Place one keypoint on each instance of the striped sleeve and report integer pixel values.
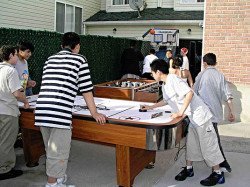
(84, 79)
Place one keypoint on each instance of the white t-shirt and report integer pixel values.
(185, 64)
(146, 63)
(174, 93)
(9, 83)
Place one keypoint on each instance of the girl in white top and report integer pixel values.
(177, 69)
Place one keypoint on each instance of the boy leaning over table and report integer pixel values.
(202, 143)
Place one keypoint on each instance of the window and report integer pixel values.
(191, 1)
(120, 2)
(68, 18)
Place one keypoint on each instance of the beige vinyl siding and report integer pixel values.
(39, 14)
(182, 7)
(27, 14)
(167, 3)
(103, 4)
(160, 3)
(107, 5)
(138, 31)
(90, 7)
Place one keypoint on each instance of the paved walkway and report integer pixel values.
(92, 165)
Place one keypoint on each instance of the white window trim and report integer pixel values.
(194, 3)
(123, 5)
(66, 3)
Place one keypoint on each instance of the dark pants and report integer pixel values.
(218, 136)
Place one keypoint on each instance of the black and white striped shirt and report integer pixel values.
(63, 74)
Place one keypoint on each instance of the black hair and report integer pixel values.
(177, 62)
(24, 45)
(161, 65)
(5, 52)
(132, 43)
(169, 50)
(70, 39)
(152, 51)
(210, 59)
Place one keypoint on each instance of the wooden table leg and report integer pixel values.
(33, 146)
(130, 162)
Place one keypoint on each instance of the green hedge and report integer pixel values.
(103, 53)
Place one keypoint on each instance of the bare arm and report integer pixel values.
(187, 101)
(21, 97)
(89, 99)
(186, 74)
(190, 80)
(231, 115)
(159, 104)
(171, 63)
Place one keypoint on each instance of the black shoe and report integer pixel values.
(11, 174)
(18, 143)
(213, 179)
(184, 174)
(225, 166)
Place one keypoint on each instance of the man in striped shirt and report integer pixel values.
(63, 74)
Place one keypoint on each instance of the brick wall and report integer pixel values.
(227, 34)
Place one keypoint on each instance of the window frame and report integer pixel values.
(191, 3)
(123, 4)
(65, 5)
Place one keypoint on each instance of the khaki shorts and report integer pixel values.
(202, 144)
(57, 145)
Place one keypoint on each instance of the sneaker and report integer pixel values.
(58, 185)
(184, 174)
(62, 180)
(11, 174)
(214, 179)
(225, 166)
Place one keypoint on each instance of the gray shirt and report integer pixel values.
(22, 66)
(9, 83)
(212, 87)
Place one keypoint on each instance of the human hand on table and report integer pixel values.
(145, 107)
(176, 115)
(100, 118)
(26, 105)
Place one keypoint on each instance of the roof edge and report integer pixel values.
(144, 22)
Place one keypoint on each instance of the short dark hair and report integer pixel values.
(24, 45)
(161, 65)
(5, 52)
(210, 59)
(70, 39)
(152, 51)
(132, 43)
(169, 50)
(177, 62)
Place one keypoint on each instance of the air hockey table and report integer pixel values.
(135, 135)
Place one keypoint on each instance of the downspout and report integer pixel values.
(84, 28)
(203, 37)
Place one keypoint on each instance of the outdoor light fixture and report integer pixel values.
(189, 31)
(114, 30)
